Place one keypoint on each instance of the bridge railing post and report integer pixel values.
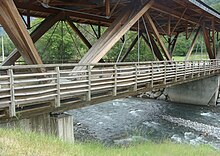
(175, 72)
(152, 74)
(115, 80)
(88, 97)
(57, 99)
(217, 64)
(192, 68)
(199, 62)
(185, 63)
(165, 72)
(136, 72)
(210, 66)
(12, 109)
(204, 68)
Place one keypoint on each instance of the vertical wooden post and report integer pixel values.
(165, 73)
(175, 72)
(192, 68)
(57, 99)
(136, 72)
(89, 83)
(184, 70)
(210, 67)
(204, 68)
(152, 75)
(12, 111)
(107, 8)
(199, 69)
(115, 80)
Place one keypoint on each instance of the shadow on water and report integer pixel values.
(129, 120)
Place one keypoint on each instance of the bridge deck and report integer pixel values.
(25, 91)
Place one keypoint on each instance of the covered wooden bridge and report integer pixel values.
(152, 18)
(34, 89)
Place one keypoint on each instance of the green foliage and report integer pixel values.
(210, 2)
(60, 44)
(216, 6)
(14, 142)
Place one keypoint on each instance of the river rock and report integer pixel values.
(176, 138)
(162, 97)
(189, 135)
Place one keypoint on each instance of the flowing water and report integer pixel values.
(129, 120)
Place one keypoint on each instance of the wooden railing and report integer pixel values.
(25, 89)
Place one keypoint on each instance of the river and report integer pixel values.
(129, 120)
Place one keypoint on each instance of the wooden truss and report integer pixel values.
(12, 23)
(119, 20)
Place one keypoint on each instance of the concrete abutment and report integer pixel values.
(60, 125)
(199, 92)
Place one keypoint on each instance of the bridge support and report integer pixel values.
(60, 125)
(199, 92)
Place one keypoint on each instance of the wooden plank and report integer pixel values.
(157, 35)
(192, 44)
(57, 99)
(115, 80)
(89, 94)
(35, 35)
(12, 111)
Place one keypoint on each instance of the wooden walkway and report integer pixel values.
(24, 91)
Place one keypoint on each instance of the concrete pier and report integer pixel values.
(60, 125)
(199, 92)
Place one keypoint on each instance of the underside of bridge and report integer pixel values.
(158, 22)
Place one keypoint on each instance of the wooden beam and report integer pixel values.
(155, 49)
(177, 23)
(169, 26)
(35, 35)
(113, 34)
(173, 13)
(206, 36)
(12, 23)
(107, 8)
(213, 38)
(174, 41)
(157, 35)
(77, 31)
(129, 49)
(193, 44)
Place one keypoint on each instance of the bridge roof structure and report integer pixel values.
(159, 17)
(99, 12)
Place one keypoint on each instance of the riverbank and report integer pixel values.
(14, 142)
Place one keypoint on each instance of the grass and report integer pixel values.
(192, 57)
(18, 143)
